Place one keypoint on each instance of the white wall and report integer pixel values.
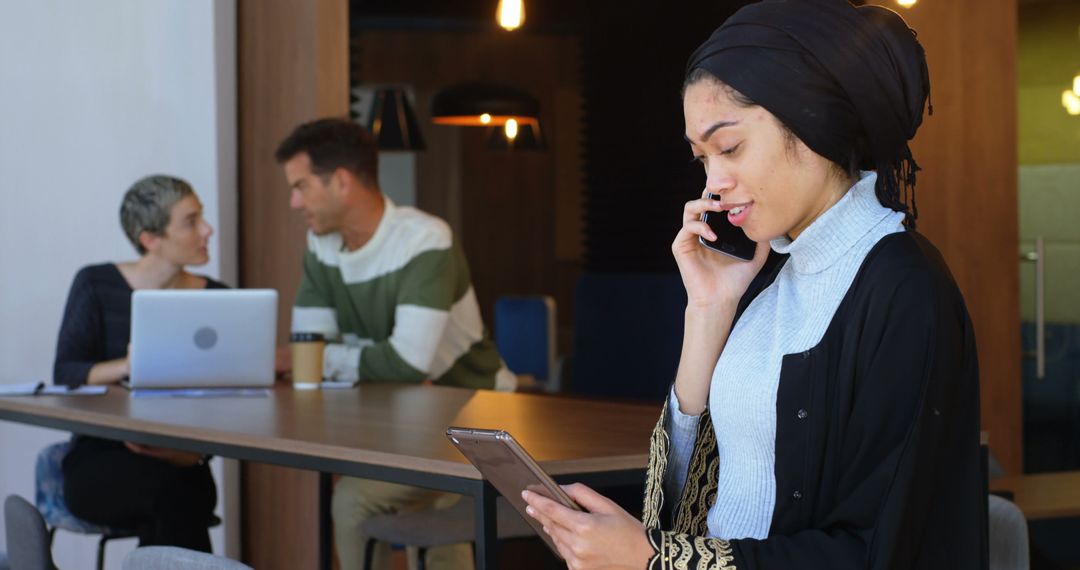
(397, 169)
(94, 95)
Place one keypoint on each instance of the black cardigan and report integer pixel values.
(877, 438)
(97, 322)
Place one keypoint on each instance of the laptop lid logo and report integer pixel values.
(205, 338)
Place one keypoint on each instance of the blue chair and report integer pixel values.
(627, 335)
(49, 496)
(525, 336)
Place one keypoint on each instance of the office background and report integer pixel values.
(95, 95)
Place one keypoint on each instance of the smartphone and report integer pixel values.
(510, 469)
(730, 239)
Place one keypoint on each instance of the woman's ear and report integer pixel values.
(149, 241)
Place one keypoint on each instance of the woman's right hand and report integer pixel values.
(110, 371)
(714, 284)
(712, 279)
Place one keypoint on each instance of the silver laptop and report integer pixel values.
(203, 338)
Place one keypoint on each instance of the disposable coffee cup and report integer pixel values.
(307, 359)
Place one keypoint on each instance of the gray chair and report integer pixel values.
(1008, 536)
(49, 496)
(439, 527)
(27, 538)
(173, 558)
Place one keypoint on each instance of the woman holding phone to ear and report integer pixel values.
(825, 412)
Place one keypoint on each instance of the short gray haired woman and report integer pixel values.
(148, 204)
(168, 496)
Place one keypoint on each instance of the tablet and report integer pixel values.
(504, 463)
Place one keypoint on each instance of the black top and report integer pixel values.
(97, 322)
(877, 434)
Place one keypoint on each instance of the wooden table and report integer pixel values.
(389, 432)
(1043, 495)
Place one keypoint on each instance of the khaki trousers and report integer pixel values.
(356, 500)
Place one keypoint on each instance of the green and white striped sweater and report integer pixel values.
(403, 302)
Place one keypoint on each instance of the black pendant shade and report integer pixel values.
(483, 104)
(393, 123)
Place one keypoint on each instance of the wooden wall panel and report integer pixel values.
(293, 66)
(968, 188)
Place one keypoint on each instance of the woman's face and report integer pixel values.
(187, 235)
(770, 183)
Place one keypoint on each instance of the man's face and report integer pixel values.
(317, 200)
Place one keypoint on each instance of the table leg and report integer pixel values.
(326, 523)
(487, 538)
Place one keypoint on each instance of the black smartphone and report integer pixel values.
(730, 239)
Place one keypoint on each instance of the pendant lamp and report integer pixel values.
(514, 136)
(393, 123)
(483, 105)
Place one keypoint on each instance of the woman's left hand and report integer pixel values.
(606, 536)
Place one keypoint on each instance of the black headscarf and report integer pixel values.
(850, 82)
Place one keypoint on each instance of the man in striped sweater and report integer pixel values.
(391, 286)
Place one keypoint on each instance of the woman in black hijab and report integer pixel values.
(825, 413)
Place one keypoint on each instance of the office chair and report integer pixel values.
(1009, 548)
(525, 337)
(28, 540)
(49, 496)
(627, 335)
(439, 527)
(174, 558)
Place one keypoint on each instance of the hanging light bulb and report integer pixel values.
(485, 118)
(511, 129)
(1076, 85)
(510, 14)
(1071, 102)
(906, 3)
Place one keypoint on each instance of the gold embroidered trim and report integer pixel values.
(659, 445)
(677, 551)
(685, 548)
(708, 492)
(699, 491)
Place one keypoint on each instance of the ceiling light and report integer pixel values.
(510, 14)
(1071, 102)
(528, 137)
(483, 104)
